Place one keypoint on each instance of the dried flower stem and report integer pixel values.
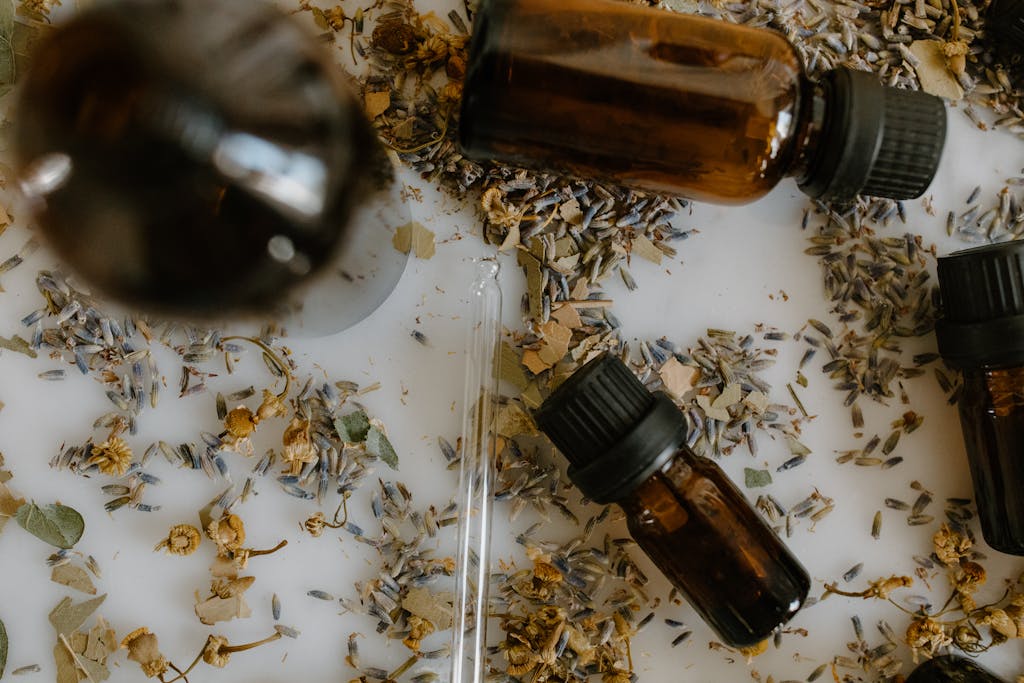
(273, 356)
(257, 553)
(227, 649)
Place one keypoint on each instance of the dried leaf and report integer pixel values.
(3, 648)
(102, 642)
(435, 608)
(67, 617)
(16, 343)
(678, 379)
(377, 444)
(570, 212)
(556, 342)
(216, 609)
(67, 672)
(644, 248)
(413, 236)
(376, 103)
(58, 525)
(509, 368)
(567, 315)
(933, 71)
(795, 447)
(73, 577)
(533, 362)
(352, 428)
(9, 504)
(756, 478)
(8, 69)
(513, 421)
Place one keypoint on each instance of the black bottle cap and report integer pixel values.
(613, 431)
(951, 669)
(875, 140)
(1004, 22)
(983, 306)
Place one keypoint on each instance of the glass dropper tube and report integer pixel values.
(476, 475)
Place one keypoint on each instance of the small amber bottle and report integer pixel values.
(982, 334)
(951, 669)
(687, 105)
(628, 446)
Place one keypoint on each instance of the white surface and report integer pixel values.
(725, 276)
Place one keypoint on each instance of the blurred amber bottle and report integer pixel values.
(982, 334)
(951, 669)
(628, 446)
(685, 105)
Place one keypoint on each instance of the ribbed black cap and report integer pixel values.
(875, 140)
(612, 430)
(951, 669)
(983, 305)
(592, 410)
(1004, 23)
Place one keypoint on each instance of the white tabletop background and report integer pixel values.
(729, 275)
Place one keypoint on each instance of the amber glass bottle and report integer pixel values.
(1004, 24)
(628, 446)
(982, 334)
(951, 669)
(193, 157)
(683, 104)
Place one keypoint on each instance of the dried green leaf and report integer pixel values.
(795, 447)
(352, 428)
(15, 343)
(377, 444)
(644, 248)
(756, 478)
(8, 69)
(510, 367)
(58, 525)
(3, 648)
(73, 576)
(66, 617)
(216, 609)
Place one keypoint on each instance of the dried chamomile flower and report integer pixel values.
(182, 539)
(1000, 622)
(419, 628)
(927, 635)
(228, 533)
(272, 406)
(212, 654)
(315, 524)
(113, 456)
(217, 651)
(883, 587)
(956, 55)
(298, 445)
(950, 545)
(143, 648)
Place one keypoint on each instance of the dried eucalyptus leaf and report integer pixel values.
(377, 444)
(66, 617)
(416, 238)
(434, 607)
(352, 428)
(756, 478)
(16, 343)
(3, 648)
(73, 577)
(795, 447)
(58, 525)
(9, 504)
(216, 609)
(67, 672)
(8, 69)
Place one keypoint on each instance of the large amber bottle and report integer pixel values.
(684, 104)
(628, 446)
(951, 669)
(982, 334)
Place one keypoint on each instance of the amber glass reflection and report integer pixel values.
(662, 101)
(706, 538)
(992, 418)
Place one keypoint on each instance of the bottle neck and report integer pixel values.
(810, 124)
